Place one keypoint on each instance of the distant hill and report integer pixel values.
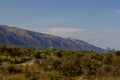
(30, 39)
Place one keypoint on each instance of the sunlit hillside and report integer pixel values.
(34, 64)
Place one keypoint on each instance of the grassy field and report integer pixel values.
(34, 64)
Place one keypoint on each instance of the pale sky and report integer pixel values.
(94, 21)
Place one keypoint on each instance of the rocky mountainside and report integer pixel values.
(30, 39)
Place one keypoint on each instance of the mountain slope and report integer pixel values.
(30, 39)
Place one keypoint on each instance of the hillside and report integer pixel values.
(30, 39)
(18, 64)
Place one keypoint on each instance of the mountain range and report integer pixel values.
(13, 36)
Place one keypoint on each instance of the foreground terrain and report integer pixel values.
(34, 64)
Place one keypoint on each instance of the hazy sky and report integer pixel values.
(94, 21)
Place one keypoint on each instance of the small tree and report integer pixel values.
(37, 55)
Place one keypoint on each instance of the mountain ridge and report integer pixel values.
(31, 39)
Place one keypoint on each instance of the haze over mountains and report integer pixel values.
(30, 39)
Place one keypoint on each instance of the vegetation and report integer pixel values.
(34, 64)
